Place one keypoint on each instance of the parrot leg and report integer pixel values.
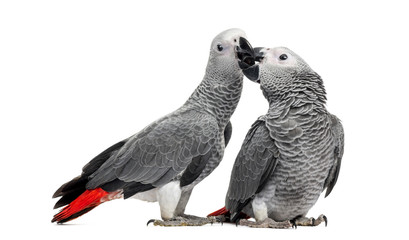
(172, 201)
(267, 223)
(184, 220)
(304, 221)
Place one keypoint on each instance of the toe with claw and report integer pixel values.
(185, 220)
(303, 221)
(267, 223)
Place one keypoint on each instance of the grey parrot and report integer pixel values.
(168, 158)
(291, 154)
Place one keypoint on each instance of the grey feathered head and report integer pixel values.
(282, 72)
(229, 52)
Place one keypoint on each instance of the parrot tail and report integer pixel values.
(221, 211)
(227, 217)
(85, 203)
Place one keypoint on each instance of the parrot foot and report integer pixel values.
(304, 221)
(183, 220)
(267, 223)
(219, 219)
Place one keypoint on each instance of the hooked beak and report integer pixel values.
(258, 55)
(252, 72)
(245, 54)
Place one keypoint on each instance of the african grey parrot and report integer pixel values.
(168, 158)
(291, 154)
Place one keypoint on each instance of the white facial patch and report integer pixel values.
(280, 56)
(227, 39)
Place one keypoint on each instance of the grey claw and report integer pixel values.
(221, 219)
(294, 224)
(237, 222)
(150, 221)
(326, 220)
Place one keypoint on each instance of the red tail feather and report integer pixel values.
(221, 211)
(224, 212)
(84, 203)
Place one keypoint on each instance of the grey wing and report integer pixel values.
(162, 151)
(227, 133)
(253, 167)
(338, 134)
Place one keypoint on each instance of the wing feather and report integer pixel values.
(338, 134)
(253, 167)
(162, 150)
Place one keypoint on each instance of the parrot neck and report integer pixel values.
(218, 96)
(305, 94)
(298, 102)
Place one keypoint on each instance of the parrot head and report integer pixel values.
(277, 62)
(281, 70)
(230, 52)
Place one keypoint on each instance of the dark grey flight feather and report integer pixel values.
(227, 133)
(194, 169)
(72, 189)
(338, 133)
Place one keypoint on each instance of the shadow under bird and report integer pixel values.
(168, 158)
(291, 154)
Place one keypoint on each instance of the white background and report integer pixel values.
(78, 76)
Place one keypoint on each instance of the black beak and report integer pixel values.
(245, 54)
(258, 55)
(252, 72)
(247, 59)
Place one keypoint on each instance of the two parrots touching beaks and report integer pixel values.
(288, 158)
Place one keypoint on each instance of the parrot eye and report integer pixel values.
(283, 57)
(219, 47)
